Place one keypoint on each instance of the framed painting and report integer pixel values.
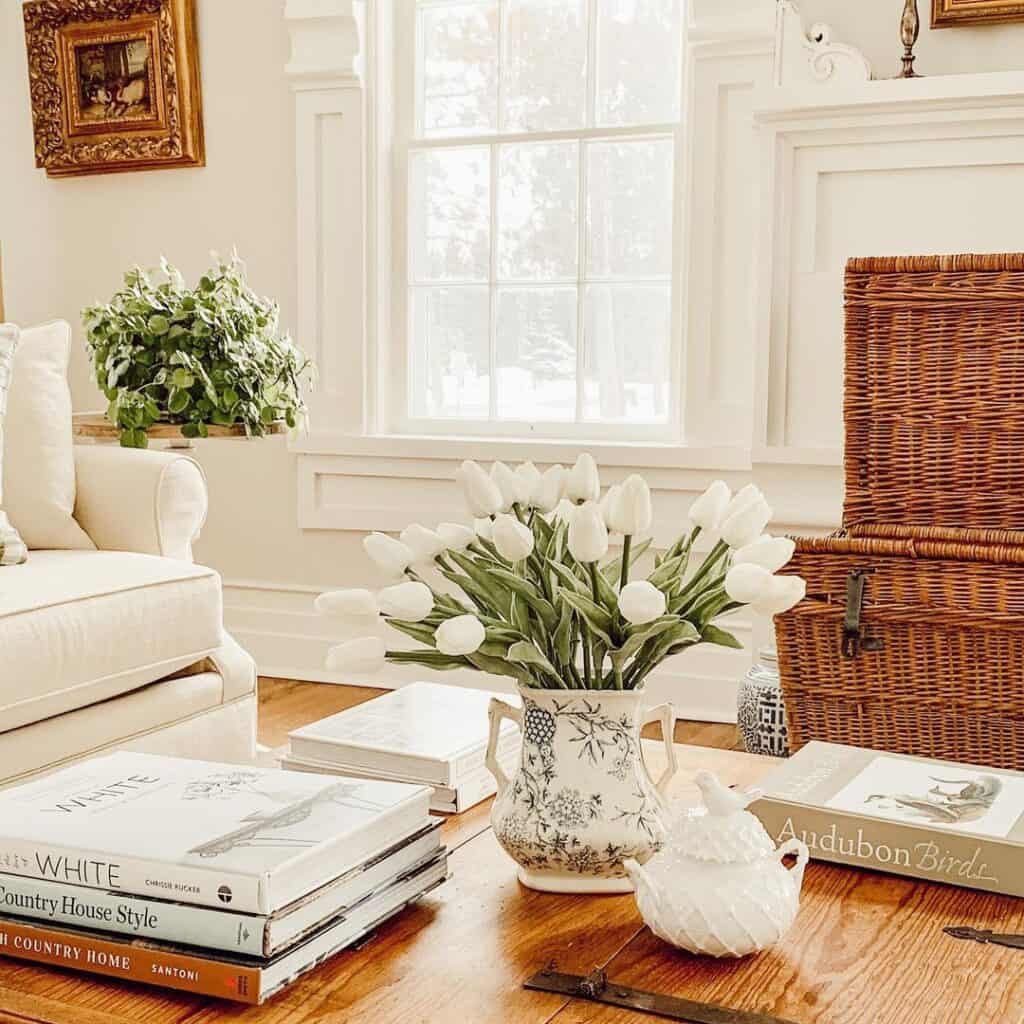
(948, 13)
(114, 85)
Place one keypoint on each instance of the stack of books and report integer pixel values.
(425, 733)
(211, 878)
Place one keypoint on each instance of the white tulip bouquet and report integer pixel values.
(533, 593)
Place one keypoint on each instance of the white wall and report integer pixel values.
(67, 242)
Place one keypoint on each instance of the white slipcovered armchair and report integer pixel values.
(122, 647)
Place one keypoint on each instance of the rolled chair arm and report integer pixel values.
(134, 500)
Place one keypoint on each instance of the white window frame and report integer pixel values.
(405, 144)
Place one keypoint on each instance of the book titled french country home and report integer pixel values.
(938, 820)
(247, 839)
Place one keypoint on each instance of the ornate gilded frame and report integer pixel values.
(949, 13)
(169, 135)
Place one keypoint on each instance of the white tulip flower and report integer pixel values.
(641, 602)
(707, 511)
(482, 494)
(563, 512)
(783, 593)
(424, 544)
(391, 556)
(462, 635)
(630, 509)
(771, 553)
(747, 583)
(346, 603)
(588, 536)
(745, 518)
(364, 655)
(484, 528)
(584, 481)
(529, 477)
(508, 484)
(411, 601)
(549, 489)
(607, 505)
(455, 536)
(513, 540)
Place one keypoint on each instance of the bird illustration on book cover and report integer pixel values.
(259, 828)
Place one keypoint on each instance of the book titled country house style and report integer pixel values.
(938, 820)
(249, 839)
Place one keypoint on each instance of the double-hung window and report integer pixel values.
(536, 218)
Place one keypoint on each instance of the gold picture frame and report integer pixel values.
(950, 13)
(114, 85)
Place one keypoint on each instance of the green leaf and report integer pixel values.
(159, 324)
(416, 630)
(596, 618)
(714, 635)
(613, 570)
(520, 614)
(525, 590)
(640, 635)
(563, 633)
(527, 654)
(178, 402)
(428, 659)
(181, 378)
(499, 667)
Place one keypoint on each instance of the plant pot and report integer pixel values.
(582, 800)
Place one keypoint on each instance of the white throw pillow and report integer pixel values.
(39, 457)
(12, 549)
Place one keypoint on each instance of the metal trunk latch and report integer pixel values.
(854, 639)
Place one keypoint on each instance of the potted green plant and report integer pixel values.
(212, 355)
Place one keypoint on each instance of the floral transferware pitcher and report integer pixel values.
(582, 800)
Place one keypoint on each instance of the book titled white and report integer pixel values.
(258, 935)
(426, 731)
(220, 835)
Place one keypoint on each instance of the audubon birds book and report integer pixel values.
(938, 820)
(247, 839)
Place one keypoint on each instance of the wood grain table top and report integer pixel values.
(866, 948)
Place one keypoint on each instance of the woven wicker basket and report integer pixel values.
(934, 417)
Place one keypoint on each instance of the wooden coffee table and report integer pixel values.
(867, 948)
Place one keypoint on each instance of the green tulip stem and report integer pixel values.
(627, 543)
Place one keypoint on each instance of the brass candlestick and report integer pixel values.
(910, 29)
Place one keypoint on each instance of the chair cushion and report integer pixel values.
(12, 549)
(77, 627)
(39, 452)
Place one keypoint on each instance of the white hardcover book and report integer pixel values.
(220, 835)
(426, 731)
(182, 924)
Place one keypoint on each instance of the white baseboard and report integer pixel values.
(277, 625)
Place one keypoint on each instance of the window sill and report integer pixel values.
(640, 455)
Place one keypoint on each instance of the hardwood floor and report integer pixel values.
(285, 704)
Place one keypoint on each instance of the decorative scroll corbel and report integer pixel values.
(813, 58)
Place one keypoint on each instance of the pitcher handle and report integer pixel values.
(496, 711)
(665, 714)
(798, 847)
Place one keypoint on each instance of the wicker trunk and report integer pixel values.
(911, 638)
